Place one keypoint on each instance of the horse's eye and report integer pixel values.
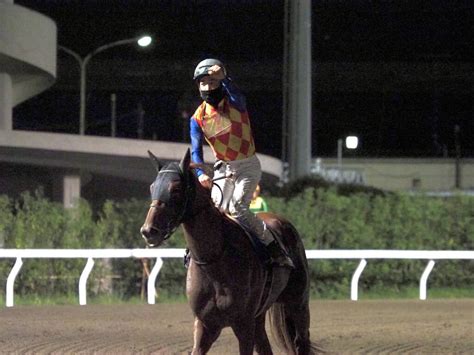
(176, 190)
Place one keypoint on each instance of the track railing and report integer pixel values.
(159, 254)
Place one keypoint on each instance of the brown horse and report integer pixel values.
(227, 283)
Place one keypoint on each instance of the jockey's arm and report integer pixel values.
(236, 98)
(197, 155)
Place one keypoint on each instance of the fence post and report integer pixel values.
(11, 281)
(151, 291)
(83, 281)
(424, 279)
(355, 279)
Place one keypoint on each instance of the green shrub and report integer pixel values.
(326, 217)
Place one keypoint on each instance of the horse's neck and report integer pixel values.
(203, 230)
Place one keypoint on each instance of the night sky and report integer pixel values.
(402, 114)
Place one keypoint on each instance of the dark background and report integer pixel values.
(404, 111)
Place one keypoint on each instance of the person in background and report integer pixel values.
(223, 121)
(258, 204)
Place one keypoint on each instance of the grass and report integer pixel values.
(402, 293)
(414, 292)
(73, 299)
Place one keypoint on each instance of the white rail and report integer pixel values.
(91, 254)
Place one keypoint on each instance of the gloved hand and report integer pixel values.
(205, 181)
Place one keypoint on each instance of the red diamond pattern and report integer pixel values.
(244, 147)
(231, 154)
(237, 130)
(224, 138)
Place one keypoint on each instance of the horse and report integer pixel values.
(227, 284)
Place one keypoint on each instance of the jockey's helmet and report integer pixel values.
(203, 67)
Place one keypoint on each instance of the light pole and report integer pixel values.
(351, 143)
(83, 61)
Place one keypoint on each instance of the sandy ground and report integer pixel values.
(342, 327)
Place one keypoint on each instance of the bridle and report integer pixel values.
(175, 222)
(189, 193)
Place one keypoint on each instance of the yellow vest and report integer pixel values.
(227, 130)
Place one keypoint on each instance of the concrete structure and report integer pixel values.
(403, 174)
(27, 57)
(70, 166)
(297, 93)
(99, 168)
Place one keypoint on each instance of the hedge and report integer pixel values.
(326, 218)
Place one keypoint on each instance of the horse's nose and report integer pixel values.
(150, 235)
(146, 231)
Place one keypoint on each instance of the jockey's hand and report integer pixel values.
(205, 181)
(216, 72)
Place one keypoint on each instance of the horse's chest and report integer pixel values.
(219, 296)
(224, 297)
(219, 302)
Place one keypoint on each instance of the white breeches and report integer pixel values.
(237, 193)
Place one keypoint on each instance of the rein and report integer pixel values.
(227, 176)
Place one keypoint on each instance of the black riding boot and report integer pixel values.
(279, 256)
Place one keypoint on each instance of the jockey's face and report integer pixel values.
(208, 83)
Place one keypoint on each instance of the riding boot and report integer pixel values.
(279, 256)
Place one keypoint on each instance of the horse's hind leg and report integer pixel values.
(262, 345)
(204, 337)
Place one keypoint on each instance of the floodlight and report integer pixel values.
(352, 142)
(144, 41)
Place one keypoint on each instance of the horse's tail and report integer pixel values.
(283, 331)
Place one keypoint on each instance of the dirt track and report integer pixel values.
(436, 326)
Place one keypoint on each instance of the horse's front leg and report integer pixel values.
(244, 330)
(262, 345)
(204, 337)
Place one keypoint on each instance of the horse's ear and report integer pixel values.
(154, 161)
(184, 164)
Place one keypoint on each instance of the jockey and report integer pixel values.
(223, 121)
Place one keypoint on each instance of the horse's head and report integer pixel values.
(171, 198)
